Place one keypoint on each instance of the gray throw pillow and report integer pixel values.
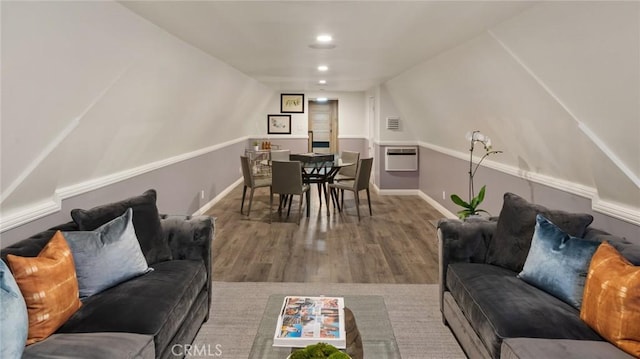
(557, 262)
(510, 244)
(14, 321)
(146, 222)
(107, 256)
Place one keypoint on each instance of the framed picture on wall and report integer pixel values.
(279, 124)
(292, 103)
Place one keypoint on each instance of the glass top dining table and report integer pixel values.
(320, 168)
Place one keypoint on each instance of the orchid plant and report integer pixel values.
(471, 207)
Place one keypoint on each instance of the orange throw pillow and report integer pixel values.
(611, 301)
(49, 286)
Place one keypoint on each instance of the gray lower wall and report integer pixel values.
(178, 187)
(440, 172)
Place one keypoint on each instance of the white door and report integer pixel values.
(323, 117)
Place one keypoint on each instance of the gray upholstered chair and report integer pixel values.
(251, 181)
(360, 183)
(287, 180)
(348, 173)
(280, 155)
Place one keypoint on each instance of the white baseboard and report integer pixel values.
(435, 204)
(398, 192)
(202, 210)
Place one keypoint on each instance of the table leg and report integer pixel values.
(326, 196)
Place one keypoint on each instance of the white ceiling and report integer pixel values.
(375, 40)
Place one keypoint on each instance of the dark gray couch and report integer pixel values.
(495, 314)
(147, 316)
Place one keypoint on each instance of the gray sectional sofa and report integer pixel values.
(492, 312)
(149, 316)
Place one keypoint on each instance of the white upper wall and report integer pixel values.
(555, 87)
(352, 121)
(90, 89)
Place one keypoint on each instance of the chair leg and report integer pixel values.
(335, 197)
(270, 205)
(369, 200)
(300, 209)
(308, 195)
(250, 202)
(244, 193)
(290, 201)
(320, 193)
(326, 197)
(357, 203)
(342, 199)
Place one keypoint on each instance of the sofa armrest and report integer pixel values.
(191, 237)
(460, 241)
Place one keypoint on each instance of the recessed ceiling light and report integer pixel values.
(323, 68)
(324, 38)
(322, 46)
(321, 99)
(322, 82)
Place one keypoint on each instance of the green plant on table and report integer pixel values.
(319, 351)
(470, 208)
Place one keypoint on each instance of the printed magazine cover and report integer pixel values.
(309, 320)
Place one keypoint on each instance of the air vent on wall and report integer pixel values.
(393, 123)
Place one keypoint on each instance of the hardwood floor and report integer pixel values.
(397, 245)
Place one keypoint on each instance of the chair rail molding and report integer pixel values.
(615, 210)
(21, 216)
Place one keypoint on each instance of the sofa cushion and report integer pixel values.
(107, 256)
(557, 262)
(94, 346)
(14, 322)
(49, 286)
(510, 245)
(146, 222)
(499, 305)
(536, 348)
(612, 299)
(154, 304)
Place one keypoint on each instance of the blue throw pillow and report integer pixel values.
(107, 256)
(14, 321)
(558, 262)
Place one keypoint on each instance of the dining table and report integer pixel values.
(320, 168)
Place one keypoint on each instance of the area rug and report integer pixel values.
(237, 309)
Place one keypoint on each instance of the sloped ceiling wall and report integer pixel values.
(89, 89)
(556, 87)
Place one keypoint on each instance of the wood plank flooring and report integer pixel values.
(396, 245)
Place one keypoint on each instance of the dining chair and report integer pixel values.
(287, 180)
(252, 182)
(348, 173)
(280, 155)
(361, 182)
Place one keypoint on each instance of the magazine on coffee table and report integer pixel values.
(309, 320)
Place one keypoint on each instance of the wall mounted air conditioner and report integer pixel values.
(401, 159)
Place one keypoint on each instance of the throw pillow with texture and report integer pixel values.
(107, 256)
(611, 302)
(49, 286)
(14, 322)
(510, 244)
(557, 262)
(146, 223)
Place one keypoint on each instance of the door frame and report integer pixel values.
(334, 146)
